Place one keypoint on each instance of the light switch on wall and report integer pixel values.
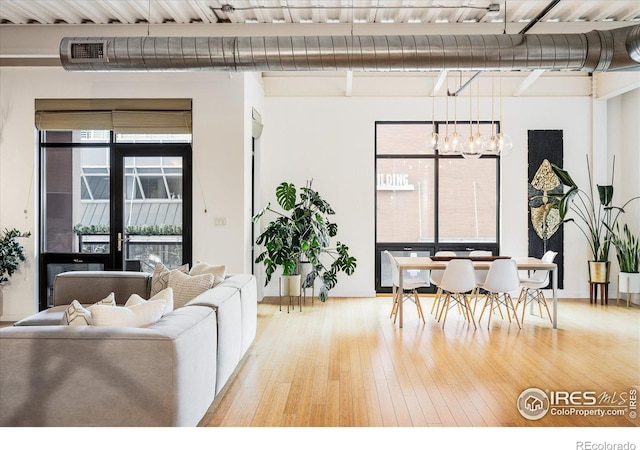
(220, 221)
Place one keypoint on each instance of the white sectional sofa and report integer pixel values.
(165, 374)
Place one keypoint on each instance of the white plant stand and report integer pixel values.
(290, 286)
(628, 283)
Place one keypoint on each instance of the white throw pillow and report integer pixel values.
(218, 271)
(138, 315)
(160, 277)
(77, 314)
(166, 295)
(109, 300)
(187, 287)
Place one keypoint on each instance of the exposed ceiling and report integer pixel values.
(313, 11)
(53, 19)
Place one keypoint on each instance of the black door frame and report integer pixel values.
(122, 151)
(113, 260)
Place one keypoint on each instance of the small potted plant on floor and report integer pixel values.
(303, 232)
(628, 254)
(11, 253)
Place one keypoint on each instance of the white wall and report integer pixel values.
(623, 134)
(331, 140)
(220, 152)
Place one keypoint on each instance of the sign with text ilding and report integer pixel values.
(393, 182)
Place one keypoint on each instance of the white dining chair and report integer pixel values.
(532, 287)
(435, 277)
(502, 279)
(481, 275)
(409, 287)
(458, 285)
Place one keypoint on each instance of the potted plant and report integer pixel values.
(303, 232)
(594, 219)
(11, 253)
(628, 254)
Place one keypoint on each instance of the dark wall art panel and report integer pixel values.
(545, 230)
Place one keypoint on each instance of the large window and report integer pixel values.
(427, 201)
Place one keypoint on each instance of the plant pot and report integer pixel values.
(629, 282)
(290, 285)
(599, 271)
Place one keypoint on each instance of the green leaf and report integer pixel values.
(606, 194)
(563, 175)
(286, 195)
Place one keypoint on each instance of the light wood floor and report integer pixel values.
(344, 363)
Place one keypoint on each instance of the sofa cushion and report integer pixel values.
(88, 286)
(49, 316)
(187, 287)
(77, 314)
(139, 315)
(218, 271)
(160, 277)
(165, 294)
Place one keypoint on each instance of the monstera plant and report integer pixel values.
(302, 232)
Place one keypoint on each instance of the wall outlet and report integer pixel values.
(220, 221)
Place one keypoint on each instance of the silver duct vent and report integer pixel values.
(596, 51)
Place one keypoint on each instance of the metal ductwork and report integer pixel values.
(595, 51)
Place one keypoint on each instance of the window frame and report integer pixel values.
(436, 244)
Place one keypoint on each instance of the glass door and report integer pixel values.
(152, 185)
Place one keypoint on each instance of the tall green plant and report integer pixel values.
(303, 232)
(627, 249)
(595, 220)
(11, 253)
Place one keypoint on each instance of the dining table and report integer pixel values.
(479, 263)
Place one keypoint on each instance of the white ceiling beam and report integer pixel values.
(174, 10)
(90, 13)
(116, 11)
(608, 12)
(439, 82)
(19, 10)
(203, 11)
(527, 82)
(607, 85)
(63, 11)
(12, 15)
(579, 12)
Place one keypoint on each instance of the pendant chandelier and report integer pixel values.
(476, 144)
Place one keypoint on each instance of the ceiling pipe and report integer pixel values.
(526, 28)
(595, 51)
